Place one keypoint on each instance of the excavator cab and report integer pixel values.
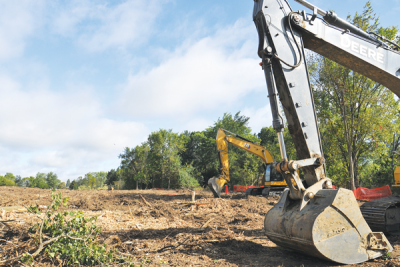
(271, 175)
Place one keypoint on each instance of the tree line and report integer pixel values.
(358, 119)
(41, 180)
(91, 180)
(174, 160)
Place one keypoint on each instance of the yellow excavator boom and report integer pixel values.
(216, 184)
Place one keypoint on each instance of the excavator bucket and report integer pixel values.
(216, 184)
(329, 226)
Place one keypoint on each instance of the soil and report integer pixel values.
(168, 230)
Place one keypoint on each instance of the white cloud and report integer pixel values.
(100, 26)
(62, 132)
(65, 19)
(17, 22)
(196, 124)
(213, 72)
(259, 118)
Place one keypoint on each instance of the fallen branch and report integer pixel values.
(207, 222)
(4, 223)
(145, 201)
(8, 242)
(130, 211)
(7, 221)
(173, 247)
(40, 248)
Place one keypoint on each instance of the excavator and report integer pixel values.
(311, 217)
(270, 181)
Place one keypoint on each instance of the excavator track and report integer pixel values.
(383, 214)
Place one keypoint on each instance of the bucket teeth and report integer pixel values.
(330, 226)
(378, 241)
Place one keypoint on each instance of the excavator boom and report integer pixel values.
(216, 183)
(313, 218)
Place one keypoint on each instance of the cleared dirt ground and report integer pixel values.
(170, 231)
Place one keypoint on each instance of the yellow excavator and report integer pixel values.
(397, 177)
(270, 181)
(311, 217)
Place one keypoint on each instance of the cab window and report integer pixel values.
(268, 174)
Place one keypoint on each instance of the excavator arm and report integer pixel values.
(313, 218)
(351, 47)
(216, 184)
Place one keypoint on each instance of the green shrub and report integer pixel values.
(105, 187)
(7, 182)
(84, 187)
(186, 178)
(68, 237)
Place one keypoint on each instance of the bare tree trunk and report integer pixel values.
(169, 181)
(162, 177)
(356, 178)
(137, 184)
(351, 174)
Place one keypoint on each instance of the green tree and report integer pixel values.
(6, 180)
(356, 115)
(100, 178)
(73, 185)
(68, 183)
(269, 140)
(186, 177)
(91, 180)
(164, 149)
(112, 177)
(28, 181)
(133, 163)
(10, 176)
(52, 180)
(18, 180)
(201, 151)
(40, 181)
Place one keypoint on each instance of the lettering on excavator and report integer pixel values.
(362, 49)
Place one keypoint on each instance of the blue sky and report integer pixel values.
(81, 80)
